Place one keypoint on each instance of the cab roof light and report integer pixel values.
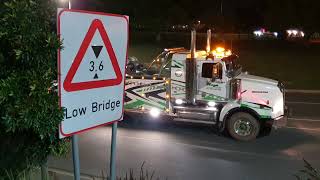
(221, 52)
(220, 49)
(228, 53)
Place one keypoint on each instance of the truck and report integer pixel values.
(205, 86)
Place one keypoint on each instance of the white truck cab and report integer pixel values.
(206, 87)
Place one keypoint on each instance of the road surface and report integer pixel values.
(190, 151)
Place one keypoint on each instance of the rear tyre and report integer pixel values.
(243, 127)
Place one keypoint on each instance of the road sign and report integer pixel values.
(91, 69)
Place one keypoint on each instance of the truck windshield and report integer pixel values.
(157, 64)
(233, 67)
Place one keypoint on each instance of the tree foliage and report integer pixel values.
(29, 112)
(308, 173)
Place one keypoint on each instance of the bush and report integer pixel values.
(308, 173)
(144, 174)
(29, 113)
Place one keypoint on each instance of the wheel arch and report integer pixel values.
(230, 112)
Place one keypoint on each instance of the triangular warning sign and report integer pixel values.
(78, 86)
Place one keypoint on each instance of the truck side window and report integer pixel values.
(207, 70)
(166, 67)
(212, 70)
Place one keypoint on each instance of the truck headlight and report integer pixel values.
(278, 107)
(155, 112)
(211, 103)
(179, 101)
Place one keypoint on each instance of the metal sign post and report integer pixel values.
(75, 147)
(75, 157)
(113, 151)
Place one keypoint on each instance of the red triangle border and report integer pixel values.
(69, 86)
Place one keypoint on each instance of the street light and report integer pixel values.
(69, 3)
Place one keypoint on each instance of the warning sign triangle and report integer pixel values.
(78, 86)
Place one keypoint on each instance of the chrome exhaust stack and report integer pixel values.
(191, 72)
(208, 47)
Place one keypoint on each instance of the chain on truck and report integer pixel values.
(205, 86)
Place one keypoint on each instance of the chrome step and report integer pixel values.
(194, 121)
(196, 113)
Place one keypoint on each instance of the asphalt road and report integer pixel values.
(304, 110)
(190, 151)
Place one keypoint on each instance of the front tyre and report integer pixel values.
(243, 127)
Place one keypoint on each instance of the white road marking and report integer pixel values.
(304, 119)
(260, 155)
(308, 129)
(302, 102)
(302, 91)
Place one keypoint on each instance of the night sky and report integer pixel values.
(235, 15)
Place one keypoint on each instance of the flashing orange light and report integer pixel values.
(218, 54)
(214, 52)
(220, 49)
(221, 52)
(228, 53)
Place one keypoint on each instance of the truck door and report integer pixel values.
(211, 81)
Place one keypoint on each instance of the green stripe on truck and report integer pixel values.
(138, 103)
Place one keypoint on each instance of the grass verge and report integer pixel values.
(296, 64)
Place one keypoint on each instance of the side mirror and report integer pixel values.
(217, 71)
(213, 71)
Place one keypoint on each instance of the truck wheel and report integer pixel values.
(243, 127)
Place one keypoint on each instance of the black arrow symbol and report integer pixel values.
(97, 50)
(95, 76)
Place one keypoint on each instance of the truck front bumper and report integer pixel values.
(280, 122)
(277, 123)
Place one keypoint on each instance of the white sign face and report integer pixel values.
(91, 68)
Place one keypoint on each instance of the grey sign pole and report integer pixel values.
(113, 151)
(44, 172)
(75, 147)
(75, 156)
